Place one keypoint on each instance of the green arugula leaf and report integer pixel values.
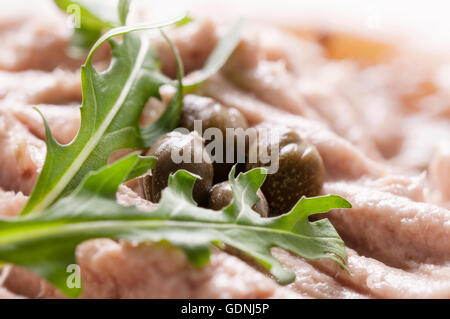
(124, 8)
(186, 20)
(94, 21)
(218, 57)
(95, 16)
(82, 40)
(112, 104)
(170, 118)
(49, 257)
(46, 243)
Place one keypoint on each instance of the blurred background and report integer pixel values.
(420, 23)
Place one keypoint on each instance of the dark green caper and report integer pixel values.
(221, 194)
(190, 155)
(300, 170)
(214, 115)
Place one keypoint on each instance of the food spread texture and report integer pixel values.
(375, 133)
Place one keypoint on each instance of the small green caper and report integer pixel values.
(300, 170)
(214, 115)
(221, 194)
(192, 157)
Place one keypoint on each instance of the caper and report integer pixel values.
(190, 155)
(300, 170)
(214, 115)
(221, 194)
